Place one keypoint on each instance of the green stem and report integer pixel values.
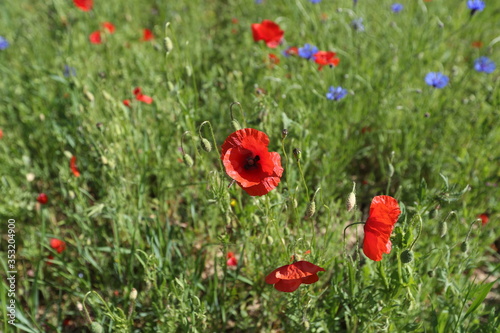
(213, 139)
(241, 111)
(302, 177)
(419, 232)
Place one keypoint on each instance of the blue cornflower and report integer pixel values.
(69, 71)
(436, 79)
(307, 51)
(476, 5)
(357, 24)
(3, 43)
(336, 93)
(484, 64)
(315, 1)
(258, 1)
(397, 7)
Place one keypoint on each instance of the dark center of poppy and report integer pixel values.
(251, 162)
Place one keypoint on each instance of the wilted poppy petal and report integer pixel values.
(288, 286)
(84, 5)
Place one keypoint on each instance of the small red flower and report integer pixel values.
(110, 27)
(42, 198)
(1, 133)
(293, 50)
(477, 44)
(73, 167)
(269, 32)
(485, 218)
(142, 98)
(127, 102)
(57, 245)
(384, 213)
(147, 35)
(84, 5)
(231, 259)
(273, 59)
(95, 37)
(248, 161)
(49, 260)
(324, 58)
(289, 277)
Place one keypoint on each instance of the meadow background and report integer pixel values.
(139, 217)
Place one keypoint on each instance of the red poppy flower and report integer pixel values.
(110, 27)
(84, 5)
(485, 218)
(49, 260)
(42, 198)
(231, 259)
(57, 244)
(293, 50)
(323, 58)
(273, 59)
(477, 44)
(289, 277)
(269, 32)
(1, 133)
(384, 213)
(147, 35)
(142, 98)
(248, 161)
(95, 37)
(73, 167)
(127, 102)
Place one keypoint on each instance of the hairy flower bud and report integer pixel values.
(407, 256)
(311, 209)
(205, 145)
(297, 153)
(95, 327)
(236, 124)
(133, 294)
(188, 160)
(443, 228)
(464, 246)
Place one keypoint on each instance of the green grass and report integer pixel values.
(138, 217)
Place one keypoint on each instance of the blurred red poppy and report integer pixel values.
(1, 133)
(293, 50)
(384, 213)
(127, 102)
(485, 218)
(273, 59)
(147, 35)
(247, 160)
(289, 277)
(42, 198)
(84, 5)
(142, 98)
(477, 44)
(269, 32)
(57, 245)
(73, 167)
(324, 58)
(110, 27)
(95, 37)
(231, 259)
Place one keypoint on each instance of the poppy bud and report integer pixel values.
(406, 256)
(205, 144)
(351, 199)
(236, 125)
(133, 294)
(311, 209)
(42, 198)
(464, 246)
(188, 160)
(95, 327)
(297, 153)
(284, 133)
(167, 43)
(443, 228)
(89, 96)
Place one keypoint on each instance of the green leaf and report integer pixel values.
(481, 295)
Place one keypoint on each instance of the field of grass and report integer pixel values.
(155, 243)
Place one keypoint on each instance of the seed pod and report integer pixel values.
(297, 153)
(311, 209)
(205, 144)
(284, 133)
(188, 160)
(133, 294)
(407, 256)
(443, 228)
(95, 327)
(236, 124)
(464, 246)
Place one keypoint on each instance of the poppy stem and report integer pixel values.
(241, 111)
(470, 228)
(419, 232)
(303, 178)
(350, 225)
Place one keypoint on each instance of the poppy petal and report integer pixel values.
(288, 286)
(370, 246)
(84, 5)
(271, 277)
(310, 279)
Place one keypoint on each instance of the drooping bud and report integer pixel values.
(443, 228)
(311, 209)
(351, 199)
(236, 124)
(407, 256)
(297, 153)
(205, 144)
(464, 246)
(188, 160)
(167, 43)
(95, 327)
